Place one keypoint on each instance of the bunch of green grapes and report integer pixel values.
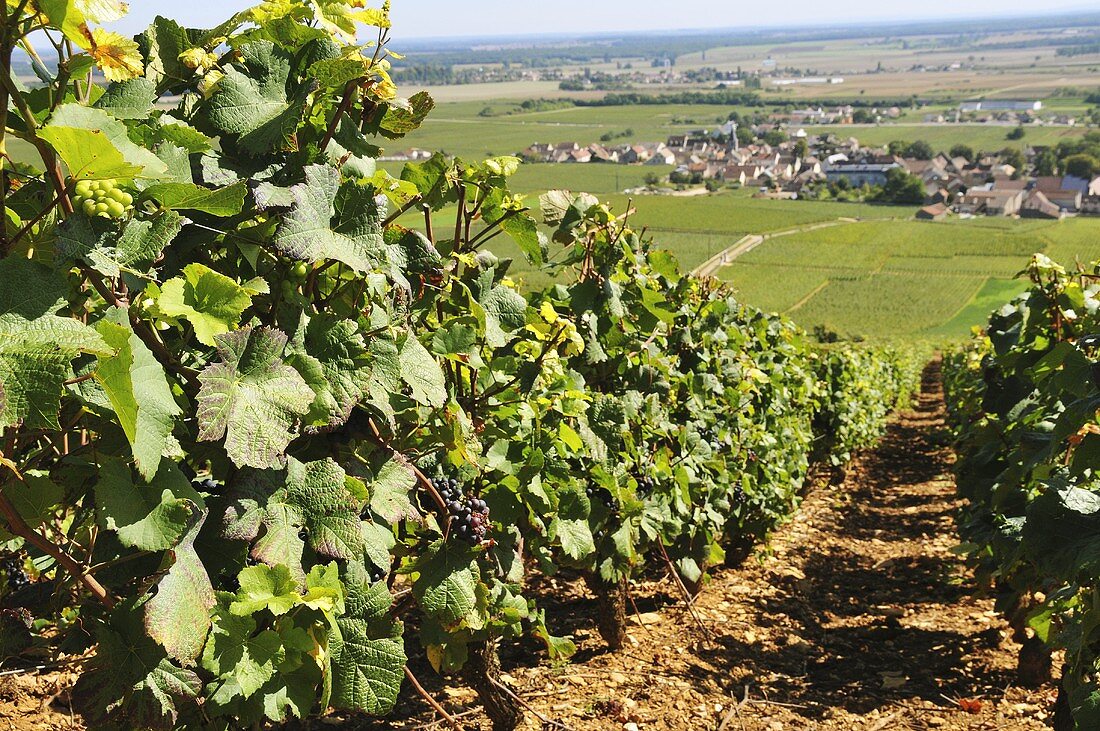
(101, 198)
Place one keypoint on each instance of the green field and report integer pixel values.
(903, 278)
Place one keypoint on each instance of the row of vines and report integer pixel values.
(267, 428)
(1023, 399)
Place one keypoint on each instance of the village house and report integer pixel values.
(991, 202)
(933, 212)
(858, 173)
(1037, 205)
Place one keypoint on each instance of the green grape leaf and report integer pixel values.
(130, 681)
(236, 651)
(403, 118)
(447, 587)
(433, 179)
(575, 537)
(36, 346)
(35, 497)
(352, 151)
(212, 302)
(366, 646)
(95, 146)
(252, 398)
(162, 44)
(412, 251)
(319, 490)
(131, 99)
(252, 102)
(265, 587)
(151, 516)
(328, 220)
(97, 242)
(273, 508)
(1062, 532)
(324, 590)
(182, 135)
(178, 616)
(135, 384)
(224, 202)
(332, 357)
(390, 493)
(422, 373)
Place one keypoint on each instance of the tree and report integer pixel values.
(863, 116)
(652, 179)
(801, 149)
(1017, 133)
(901, 187)
(1046, 163)
(1014, 157)
(775, 137)
(1081, 166)
(961, 150)
(897, 147)
(919, 150)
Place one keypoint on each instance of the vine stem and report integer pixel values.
(547, 722)
(420, 476)
(683, 590)
(18, 526)
(451, 720)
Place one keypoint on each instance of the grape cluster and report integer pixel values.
(711, 438)
(738, 495)
(208, 485)
(646, 485)
(469, 516)
(11, 566)
(101, 198)
(603, 495)
(296, 276)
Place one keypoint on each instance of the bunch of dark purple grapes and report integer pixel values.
(11, 566)
(208, 485)
(711, 438)
(469, 516)
(603, 495)
(738, 495)
(646, 485)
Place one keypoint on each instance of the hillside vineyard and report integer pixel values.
(275, 444)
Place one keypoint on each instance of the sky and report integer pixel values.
(444, 18)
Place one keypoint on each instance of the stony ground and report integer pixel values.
(859, 617)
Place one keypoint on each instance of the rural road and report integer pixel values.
(746, 244)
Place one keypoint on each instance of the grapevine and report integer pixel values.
(1021, 398)
(238, 348)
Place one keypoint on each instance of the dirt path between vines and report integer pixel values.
(860, 618)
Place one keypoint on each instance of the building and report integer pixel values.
(934, 212)
(858, 173)
(991, 202)
(1001, 105)
(1037, 205)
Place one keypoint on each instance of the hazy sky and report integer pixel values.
(424, 18)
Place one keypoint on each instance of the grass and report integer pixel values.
(889, 279)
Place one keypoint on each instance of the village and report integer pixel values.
(784, 161)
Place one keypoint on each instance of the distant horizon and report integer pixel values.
(417, 21)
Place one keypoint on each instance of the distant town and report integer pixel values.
(784, 161)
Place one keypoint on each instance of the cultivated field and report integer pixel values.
(903, 278)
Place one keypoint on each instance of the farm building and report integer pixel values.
(934, 212)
